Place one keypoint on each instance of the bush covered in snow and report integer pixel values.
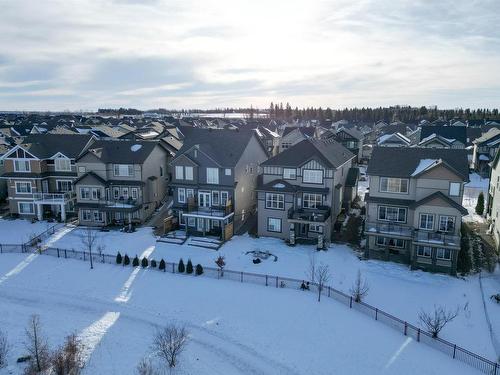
(161, 267)
(126, 260)
(153, 263)
(144, 262)
(135, 262)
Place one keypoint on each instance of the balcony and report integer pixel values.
(202, 211)
(389, 228)
(316, 215)
(53, 198)
(436, 238)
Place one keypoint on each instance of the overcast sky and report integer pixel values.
(57, 55)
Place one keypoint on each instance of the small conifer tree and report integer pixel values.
(135, 262)
(181, 268)
(144, 262)
(162, 265)
(126, 260)
(480, 204)
(118, 258)
(199, 270)
(153, 263)
(189, 267)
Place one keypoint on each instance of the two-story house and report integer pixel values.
(414, 206)
(493, 209)
(214, 176)
(485, 149)
(294, 134)
(40, 174)
(120, 181)
(352, 139)
(302, 190)
(443, 137)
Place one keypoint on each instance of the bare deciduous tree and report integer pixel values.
(311, 272)
(68, 359)
(4, 349)
(37, 346)
(360, 288)
(322, 275)
(89, 241)
(435, 321)
(145, 367)
(169, 342)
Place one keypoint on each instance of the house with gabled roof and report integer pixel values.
(303, 189)
(443, 137)
(485, 149)
(414, 206)
(292, 135)
(40, 174)
(393, 140)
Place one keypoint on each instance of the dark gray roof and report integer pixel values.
(307, 131)
(449, 132)
(353, 132)
(121, 151)
(44, 146)
(330, 152)
(393, 201)
(223, 145)
(403, 161)
(439, 194)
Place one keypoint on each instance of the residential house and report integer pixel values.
(413, 208)
(493, 209)
(302, 191)
(443, 137)
(352, 139)
(214, 176)
(40, 174)
(120, 181)
(294, 134)
(393, 140)
(485, 149)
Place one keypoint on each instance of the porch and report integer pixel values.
(57, 203)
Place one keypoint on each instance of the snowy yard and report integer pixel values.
(472, 189)
(19, 231)
(235, 328)
(393, 287)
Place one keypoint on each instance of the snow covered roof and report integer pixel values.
(424, 165)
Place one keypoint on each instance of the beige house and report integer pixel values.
(413, 208)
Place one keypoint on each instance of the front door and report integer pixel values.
(303, 230)
(204, 199)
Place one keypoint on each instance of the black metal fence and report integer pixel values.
(474, 360)
(42, 236)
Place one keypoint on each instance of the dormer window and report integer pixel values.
(289, 173)
(62, 165)
(123, 170)
(22, 166)
(393, 185)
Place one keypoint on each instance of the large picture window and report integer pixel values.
(392, 242)
(289, 173)
(388, 213)
(426, 221)
(22, 166)
(312, 176)
(212, 175)
(275, 201)
(181, 193)
(424, 251)
(393, 185)
(273, 224)
(23, 187)
(454, 189)
(312, 200)
(62, 165)
(26, 208)
(123, 170)
(64, 185)
(189, 173)
(443, 254)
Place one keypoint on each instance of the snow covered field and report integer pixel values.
(393, 287)
(19, 231)
(235, 328)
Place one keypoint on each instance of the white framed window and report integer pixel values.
(191, 221)
(62, 164)
(446, 223)
(393, 185)
(389, 213)
(85, 193)
(312, 200)
(424, 251)
(134, 193)
(123, 170)
(224, 196)
(227, 171)
(215, 198)
(96, 194)
(275, 201)
(289, 173)
(273, 224)
(392, 242)
(312, 176)
(454, 189)
(188, 173)
(317, 228)
(124, 193)
(181, 195)
(426, 221)
(86, 215)
(64, 185)
(26, 208)
(23, 187)
(22, 166)
(82, 169)
(443, 254)
(212, 175)
(189, 193)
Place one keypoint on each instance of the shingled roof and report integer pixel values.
(458, 133)
(44, 146)
(404, 161)
(121, 151)
(330, 152)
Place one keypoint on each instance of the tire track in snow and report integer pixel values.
(17, 269)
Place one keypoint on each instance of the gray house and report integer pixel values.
(302, 191)
(214, 176)
(414, 210)
(120, 181)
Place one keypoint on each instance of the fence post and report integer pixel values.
(102, 257)
(84, 256)
(1, 250)
(65, 255)
(406, 328)
(350, 303)
(454, 350)
(276, 281)
(418, 334)
(328, 291)
(57, 252)
(173, 267)
(241, 276)
(376, 314)
(266, 280)
(496, 367)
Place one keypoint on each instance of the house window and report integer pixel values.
(393, 185)
(22, 166)
(116, 192)
(424, 251)
(23, 187)
(85, 193)
(227, 171)
(189, 173)
(134, 192)
(426, 221)
(273, 224)
(312, 176)
(179, 172)
(63, 165)
(181, 192)
(447, 223)
(289, 173)
(317, 228)
(443, 254)
(212, 175)
(388, 213)
(215, 198)
(123, 170)
(97, 216)
(312, 200)
(275, 201)
(189, 193)
(26, 208)
(64, 185)
(82, 169)
(224, 195)
(125, 193)
(454, 189)
(285, 145)
(392, 242)
(96, 194)
(86, 215)
(191, 221)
